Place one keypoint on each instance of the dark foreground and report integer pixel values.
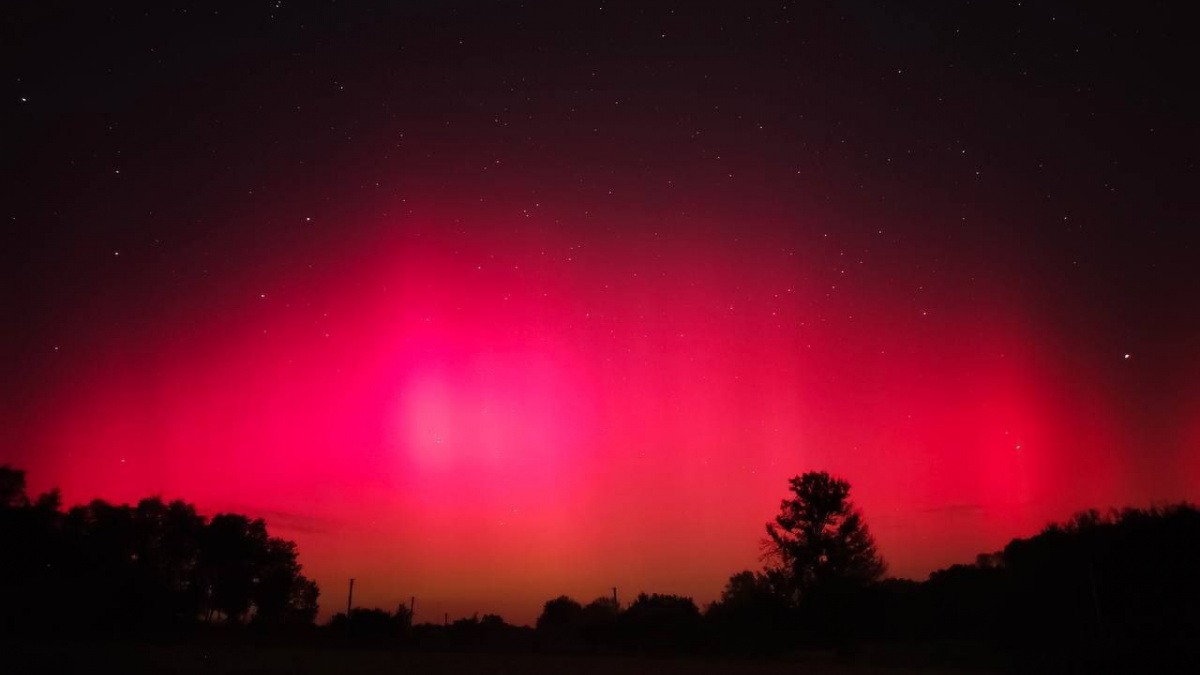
(93, 658)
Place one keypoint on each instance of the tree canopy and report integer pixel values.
(152, 564)
(819, 541)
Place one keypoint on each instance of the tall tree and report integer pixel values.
(819, 542)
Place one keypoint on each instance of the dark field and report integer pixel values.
(115, 657)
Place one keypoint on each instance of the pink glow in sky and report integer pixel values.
(489, 414)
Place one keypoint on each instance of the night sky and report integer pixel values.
(489, 302)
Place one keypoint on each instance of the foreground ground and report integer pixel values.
(94, 658)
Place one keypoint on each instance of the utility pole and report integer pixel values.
(412, 610)
(350, 601)
(615, 603)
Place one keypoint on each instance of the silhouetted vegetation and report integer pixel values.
(561, 623)
(819, 543)
(371, 625)
(750, 617)
(1120, 585)
(153, 565)
(821, 556)
(381, 629)
(661, 623)
(1115, 588)
(1100, 589)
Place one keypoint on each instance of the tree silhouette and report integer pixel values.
(750, 616)
(599, 621)
(560, 612)
(1125, 574)
(661, 623)
(153, 565)
(227, 568)
(1097, 590)
(12, 488)
(560, 625)
(281, 594)
(748, 589)
(819, 542)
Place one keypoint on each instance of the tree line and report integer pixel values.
(1115, 587)
(1101, 585)
(156, 564)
